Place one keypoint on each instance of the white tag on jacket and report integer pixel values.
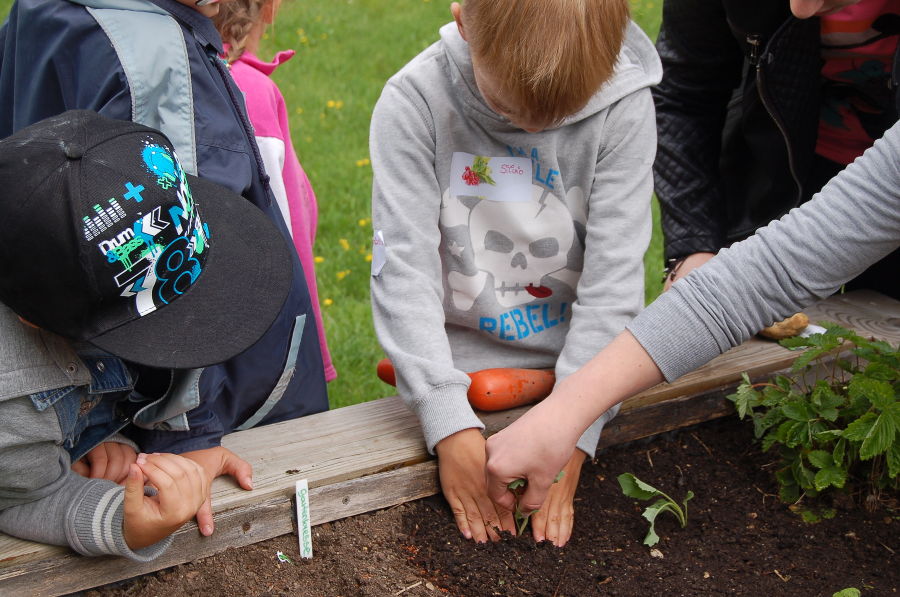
(496, 179)
(379, 252)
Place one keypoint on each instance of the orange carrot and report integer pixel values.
(494, 389)
(503, 388)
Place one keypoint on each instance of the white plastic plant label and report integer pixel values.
(304, 529)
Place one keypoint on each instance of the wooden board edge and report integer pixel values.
(69, 572)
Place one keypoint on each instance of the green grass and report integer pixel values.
(346, 50)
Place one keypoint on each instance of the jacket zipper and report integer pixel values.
(754, 41)
(245, 122)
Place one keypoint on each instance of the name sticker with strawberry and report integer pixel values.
(497, 179)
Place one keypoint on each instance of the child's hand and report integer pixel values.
(461, 462)
(216, 462)
(554, 520)
(109, 460)
(181, 491)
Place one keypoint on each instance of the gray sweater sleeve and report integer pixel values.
(41, 499)
(611, 288)
(787, 265)
(407, 293)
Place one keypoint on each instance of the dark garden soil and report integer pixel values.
(740, 540)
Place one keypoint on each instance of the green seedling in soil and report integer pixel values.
(635, 488)
(850, 592)
(518, 488)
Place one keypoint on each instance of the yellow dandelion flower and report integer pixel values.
(343, 274)
(339, 104)
(363, 162)
(328, 302)
(369, 257)
(299, 110)
(304, 40)
(363, 222)
(345, 244)
(330, 103)
(318, 259)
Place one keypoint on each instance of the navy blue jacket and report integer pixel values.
(55, 57)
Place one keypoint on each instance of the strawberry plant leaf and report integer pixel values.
(830, 476)
(860, 429)
(893, 460)
(878, 392)
(797, 411)
(848, 592)
(820, 458)
(840, 449)
(745, 397)
(880, 371)
(879, 438)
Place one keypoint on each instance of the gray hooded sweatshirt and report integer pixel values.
(503, 248)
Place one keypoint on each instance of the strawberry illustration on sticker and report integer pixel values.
(478, 173)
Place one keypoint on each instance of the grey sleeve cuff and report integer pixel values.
(587, 443)
(94, 524)
(444, 411)
(121, 439)
(687, 342)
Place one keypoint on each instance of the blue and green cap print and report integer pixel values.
(104, 238)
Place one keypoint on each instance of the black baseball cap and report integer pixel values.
(104, 238)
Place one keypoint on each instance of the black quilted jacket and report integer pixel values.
(737, 116)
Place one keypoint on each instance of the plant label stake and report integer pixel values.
(304, 531)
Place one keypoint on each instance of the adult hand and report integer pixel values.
(691, 262)
(180, 491)
(216, 462)
(553, 522)
(109, 460)
(461, 461)
(529, 449)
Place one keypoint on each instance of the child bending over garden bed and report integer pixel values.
(511, 211)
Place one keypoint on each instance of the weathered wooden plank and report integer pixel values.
(66, 572)
(348, 454)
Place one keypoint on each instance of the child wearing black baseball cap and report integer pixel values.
(118, 279)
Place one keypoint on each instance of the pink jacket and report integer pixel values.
(268, 114)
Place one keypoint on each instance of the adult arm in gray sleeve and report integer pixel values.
(787, 265)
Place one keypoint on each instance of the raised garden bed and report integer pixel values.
(370, 456)
(740, 540)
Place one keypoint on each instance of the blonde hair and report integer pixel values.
(548, 56)
(235, 20)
